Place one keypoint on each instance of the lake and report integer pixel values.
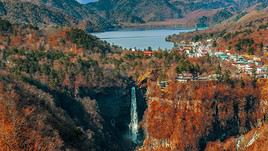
(140, 39)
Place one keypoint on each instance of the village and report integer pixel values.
(249, 64)
(252, 66)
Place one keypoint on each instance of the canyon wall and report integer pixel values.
(188, 116)
(114, 107)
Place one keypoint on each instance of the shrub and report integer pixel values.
(87, 41)
(5, 26)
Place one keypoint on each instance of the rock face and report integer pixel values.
(190, 122)
(254, 140)
(114, 106)
(60, 122)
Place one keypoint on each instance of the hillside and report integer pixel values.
(169, 12)
(111, 14)
(62, 88)
(244, 33)
(54, 12)
(41, 78)
(72, 91)
(49, 120)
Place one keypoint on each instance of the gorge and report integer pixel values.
(62, 88)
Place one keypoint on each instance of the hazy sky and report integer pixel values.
(86, 1)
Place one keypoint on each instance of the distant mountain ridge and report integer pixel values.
(106, 15)
(184, 12)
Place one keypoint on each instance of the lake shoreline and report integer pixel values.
(141, 39)
(145, 29)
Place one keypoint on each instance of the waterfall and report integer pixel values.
(133, 126)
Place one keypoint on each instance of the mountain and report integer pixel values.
(52, 12)
(137, 11)
(243, 32)
(170, 12)
(110, 14)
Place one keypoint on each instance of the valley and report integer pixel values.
(69, 83)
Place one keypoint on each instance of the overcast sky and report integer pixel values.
(86, 1)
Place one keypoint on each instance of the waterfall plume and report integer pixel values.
(133, 126)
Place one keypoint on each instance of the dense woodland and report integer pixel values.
(64, 89)
(48, 75)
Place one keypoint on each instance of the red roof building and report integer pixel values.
(148, 53)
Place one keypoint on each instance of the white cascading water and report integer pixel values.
(133, 126)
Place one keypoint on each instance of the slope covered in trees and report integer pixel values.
(170, 12)
(113, 14)
(35, 118)
(245, 33)
(71, 91)
(52, 12)
(41, 102)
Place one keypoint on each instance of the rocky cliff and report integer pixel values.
(194, 114)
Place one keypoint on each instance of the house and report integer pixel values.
(209, 40)
(258, 63)
(265, 48)
(214, 77)
(262, 76)
(163, 84)
(181, 80)
(188, 47)
(148, 53)
(223, 57)
(2, 47)
(203, 78)
(233, 57)
(261, 70)
(241, 60)
(248, 69)
(184, 77)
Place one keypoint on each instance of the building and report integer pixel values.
(163, 84)
(188, 47)
(265, 48)
(223, 57)
(148, 53)
(184, 77)
(261, 70)
(214, 77)
(2, 47)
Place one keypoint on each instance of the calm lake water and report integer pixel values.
(141, 39)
